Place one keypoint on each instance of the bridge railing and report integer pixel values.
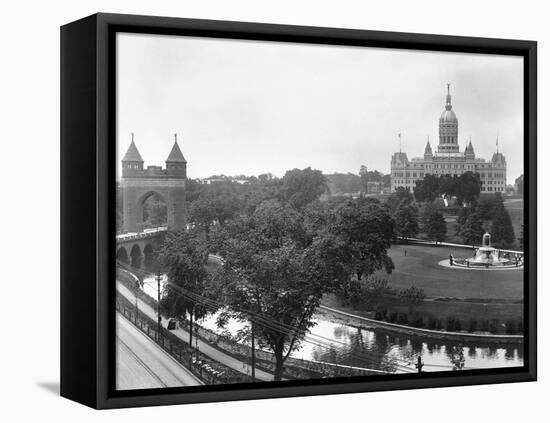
(140, 235)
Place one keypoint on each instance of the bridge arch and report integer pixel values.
(148, 255)
(122, 255)
(136, 256)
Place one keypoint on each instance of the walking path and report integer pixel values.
(204, 347)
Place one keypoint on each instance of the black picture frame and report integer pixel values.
(88, 196)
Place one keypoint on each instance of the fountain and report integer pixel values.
(487, 257)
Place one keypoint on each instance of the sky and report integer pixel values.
(253, 107)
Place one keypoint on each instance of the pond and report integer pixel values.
(378, 349)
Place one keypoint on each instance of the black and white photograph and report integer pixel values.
(290, 211)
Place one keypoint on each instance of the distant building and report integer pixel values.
(448, 159)
(213, 180)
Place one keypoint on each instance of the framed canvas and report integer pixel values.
(256, 211)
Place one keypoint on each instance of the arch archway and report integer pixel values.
(152, 210)
(135, 256)
(122, 255)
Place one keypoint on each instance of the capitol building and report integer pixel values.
(448, 159)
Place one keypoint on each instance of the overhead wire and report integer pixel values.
(266, 321)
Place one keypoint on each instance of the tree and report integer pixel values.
(202, 214)
(472, 229)
(362, 229)
(433, 223)
(502, 231)
(340, 183)
(406, 220)
(184, 256)
(427, 189)
(301, 187)
(401, 195)
(468, 188)
(274, 276)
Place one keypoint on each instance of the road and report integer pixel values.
(142, 364)
(204, 348)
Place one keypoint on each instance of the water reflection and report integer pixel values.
(374, 348)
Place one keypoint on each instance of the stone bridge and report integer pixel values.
(136, 248)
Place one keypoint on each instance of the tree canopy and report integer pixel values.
(465, 187)
(433, 223)
(406, 220)
(184, 257)
(502, 230)
(274, 275)
(301, 187)
(279, 261)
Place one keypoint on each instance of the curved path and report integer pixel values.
(142, 364)
(204, 347)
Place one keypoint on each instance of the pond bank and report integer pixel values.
(360, 321)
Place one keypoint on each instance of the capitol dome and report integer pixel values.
(448, 116)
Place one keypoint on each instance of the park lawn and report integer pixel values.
(419, 267)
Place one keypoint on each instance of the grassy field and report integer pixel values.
(467, 295)
(420, 267)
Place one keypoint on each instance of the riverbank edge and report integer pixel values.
(420, 332)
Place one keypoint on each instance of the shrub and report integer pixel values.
(417, 321)
(432, 323)
(511, 327)
(453, 324)
(485, 326)
(402, 319)
(520, 327)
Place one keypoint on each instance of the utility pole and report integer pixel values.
(159, 323)
(419, 364)
(136, 315)
(253, 351)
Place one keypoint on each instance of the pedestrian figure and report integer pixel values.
(451, 259)
(405, 253)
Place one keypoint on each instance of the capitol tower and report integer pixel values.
(448, 128)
